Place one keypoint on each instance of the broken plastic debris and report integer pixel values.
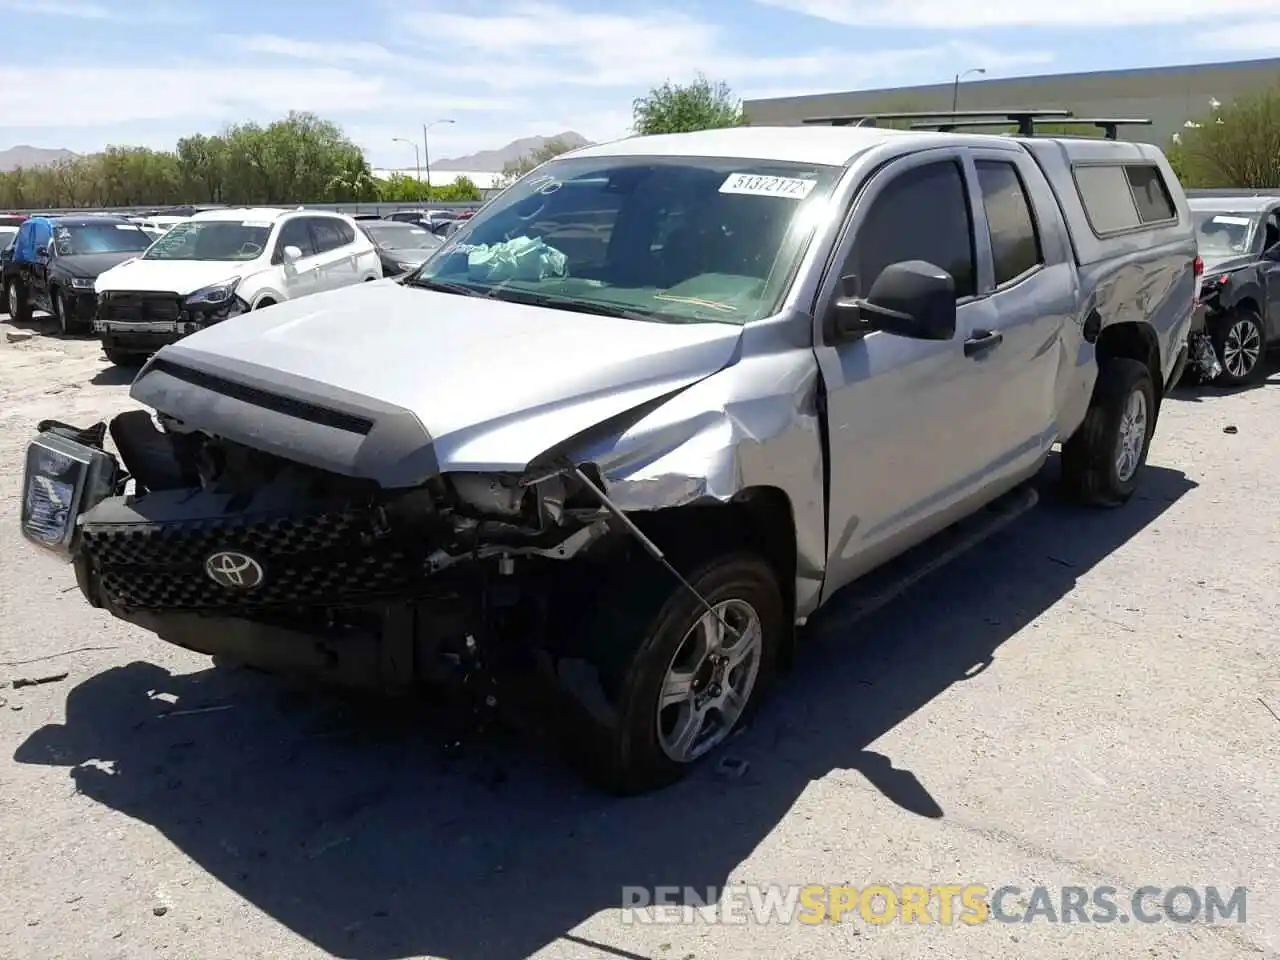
(36, 681)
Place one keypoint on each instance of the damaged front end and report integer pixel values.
(227, 550)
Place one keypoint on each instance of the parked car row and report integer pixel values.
(633, 424)
(142, 284)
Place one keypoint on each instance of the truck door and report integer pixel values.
(1031, 285)
(914, 426)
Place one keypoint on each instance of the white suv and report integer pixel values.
(222, 263)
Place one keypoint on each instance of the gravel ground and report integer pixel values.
(1090, 698)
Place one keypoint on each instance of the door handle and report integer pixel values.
(981, 341)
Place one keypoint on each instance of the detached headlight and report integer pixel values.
(214, 295)
(81, 283)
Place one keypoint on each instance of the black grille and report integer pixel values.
(326, 559)
(141, 307)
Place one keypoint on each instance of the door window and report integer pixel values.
(922, 214)
(1015, 245)
(295, 233)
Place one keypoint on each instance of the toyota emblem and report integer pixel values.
(235, 571)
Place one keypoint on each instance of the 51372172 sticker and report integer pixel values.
(758, 185)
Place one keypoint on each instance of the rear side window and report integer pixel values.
(922, 215)
(1119, 197)
(1015, 244)
(1150, 194)
(331, 233)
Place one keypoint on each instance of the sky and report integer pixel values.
(146, 72)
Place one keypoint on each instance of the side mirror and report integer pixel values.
(43, 253)
(291, 255)
(911, 299)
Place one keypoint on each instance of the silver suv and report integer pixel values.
(640, 418)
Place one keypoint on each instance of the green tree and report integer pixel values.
(300, 158)
(684, 108)
(1235, 145)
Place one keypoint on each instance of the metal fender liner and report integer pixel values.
(290, 416)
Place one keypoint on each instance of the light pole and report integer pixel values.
(426, 153)
(417, 160)
(955, 87)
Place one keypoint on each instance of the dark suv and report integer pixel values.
(55, 261)
(1239, 240)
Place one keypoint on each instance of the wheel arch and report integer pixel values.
(1132, 340)
(759, 518)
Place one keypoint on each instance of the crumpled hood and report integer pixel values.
(179, 277)
(494, 384)
(90, 265)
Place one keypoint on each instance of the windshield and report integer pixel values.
(402, 236)
(71, 241)
(1222, 233)
(212, 240)
(670, 239)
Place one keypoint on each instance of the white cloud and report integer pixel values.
(949, 15)
(88, 96)
(1261, 38)
(287, 47)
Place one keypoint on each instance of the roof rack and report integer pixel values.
(1108, 125)
(1024, 118)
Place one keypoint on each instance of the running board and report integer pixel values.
(886, 583)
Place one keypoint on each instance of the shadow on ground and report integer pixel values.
(115, 376)
(353, 828)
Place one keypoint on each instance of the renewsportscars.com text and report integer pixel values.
(945, 904)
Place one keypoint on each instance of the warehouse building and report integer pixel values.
(1168, 96)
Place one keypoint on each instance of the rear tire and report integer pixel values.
(1102, 462)
(644, 634)
(15, 296)
(1240, 341)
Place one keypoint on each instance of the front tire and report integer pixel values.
(1102, 461)
(679, 683)
(1240, 341)
(58, 301)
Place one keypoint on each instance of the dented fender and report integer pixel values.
(720, 438)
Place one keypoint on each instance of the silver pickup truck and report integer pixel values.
(639, 419)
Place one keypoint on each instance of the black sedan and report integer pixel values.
(402, 246)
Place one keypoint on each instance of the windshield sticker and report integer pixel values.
(755, 185)
(255, 223)
(1234, 221)
(127, 226)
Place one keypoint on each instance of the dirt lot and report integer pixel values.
(1091, 698)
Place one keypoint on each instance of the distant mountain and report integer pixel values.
(492, 161)
(24, 156)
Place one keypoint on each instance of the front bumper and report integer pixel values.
(141, 337)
